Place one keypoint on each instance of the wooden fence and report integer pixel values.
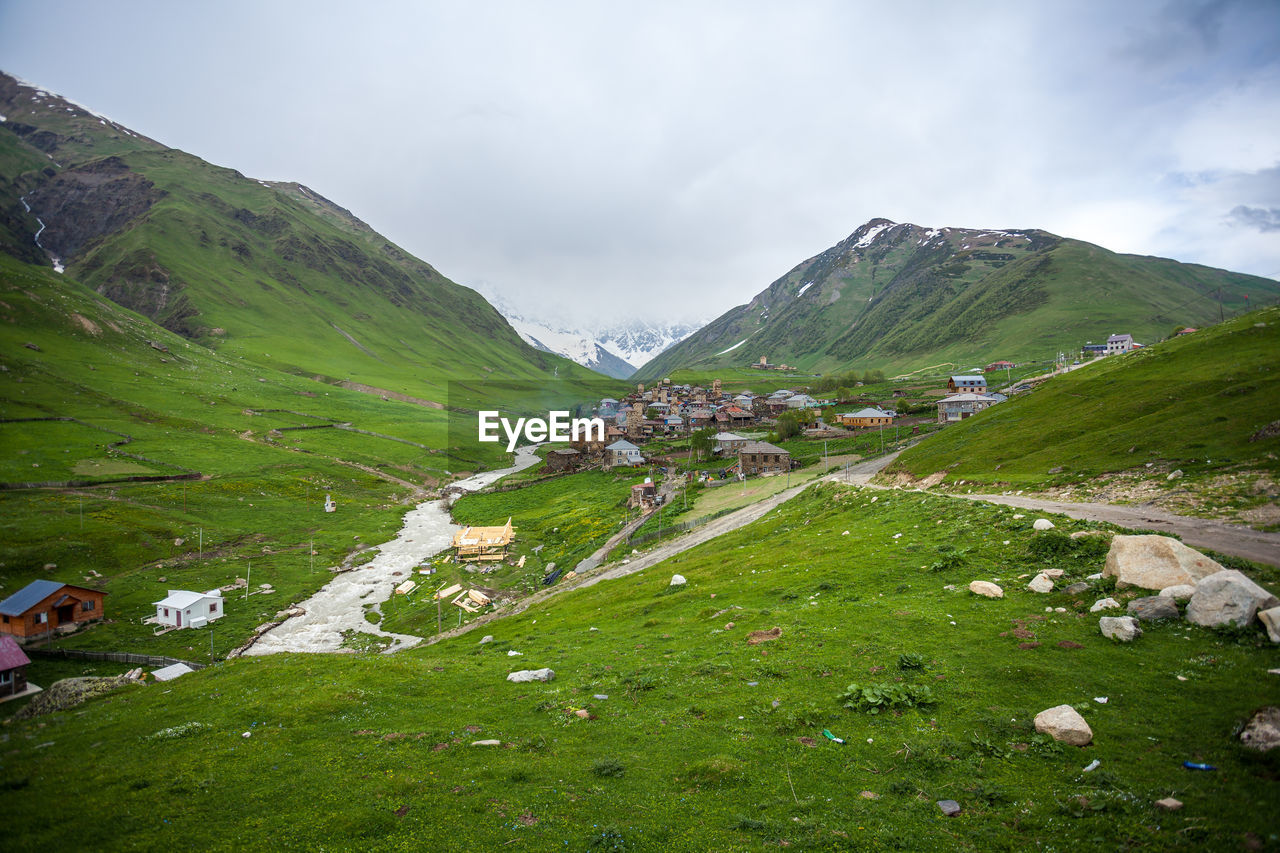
(117, 657)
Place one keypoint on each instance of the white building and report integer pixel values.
(183, 609)
(1119, 343)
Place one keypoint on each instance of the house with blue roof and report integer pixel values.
(967, 385)
(44, 607)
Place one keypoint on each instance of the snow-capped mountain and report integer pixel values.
(615, 350)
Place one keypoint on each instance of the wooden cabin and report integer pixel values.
(13, 668)
(42, 607)
(483, 543)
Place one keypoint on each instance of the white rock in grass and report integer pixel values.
(531, 675)
(1228, 598)
(1063, 723)
(1043, 524)
(1041, 584)
(1179, 592)
(986, 588)
(678, 580)
(1122, 628)
(1104, 604)
(1270, 620)
(1154, 562)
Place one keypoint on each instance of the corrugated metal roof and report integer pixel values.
(29, 596)
(11, 654)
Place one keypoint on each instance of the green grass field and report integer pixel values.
(705, 741)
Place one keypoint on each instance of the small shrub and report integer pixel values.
(609, 838)
(608, 768)
(886, 696)
(910, 661)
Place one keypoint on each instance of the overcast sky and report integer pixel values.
(670, 160)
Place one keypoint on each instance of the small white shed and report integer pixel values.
(184, 609)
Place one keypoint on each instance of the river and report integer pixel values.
(340, 605)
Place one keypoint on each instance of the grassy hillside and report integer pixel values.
(69, 353)
(268, 272)
(900, 297)
(705, 741)
(1196, 404)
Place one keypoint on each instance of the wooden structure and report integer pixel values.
(563, 459)
(483, 543)
(967, 385)
(42, 607)
(13, 667)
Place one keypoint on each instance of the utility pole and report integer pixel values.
(247, 572)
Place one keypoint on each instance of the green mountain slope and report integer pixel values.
(1200, 404)
(269, 272)
(901, 297)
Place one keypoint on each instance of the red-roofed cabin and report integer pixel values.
(13, 666)
(42, 607)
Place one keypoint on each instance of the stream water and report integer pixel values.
(340, 605)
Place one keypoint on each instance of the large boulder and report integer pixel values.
(1155, 562)
(986, 588)
(1228, 598)
(1063, 723)
(1121, 628)
(1153, 608)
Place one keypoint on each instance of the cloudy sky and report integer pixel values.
(669, 160)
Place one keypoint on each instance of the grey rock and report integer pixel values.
(601, 696)
(1169, 804)
(1262, 732)
(1104, 604)
(1122, 628)
(1155, 562)
(950, 808)
(524, 675)
(1153, 608)
(487, 638)
(486, 743)
(1077, 588)
(1064, 723)
(1228, 598)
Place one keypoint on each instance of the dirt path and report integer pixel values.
(1234, 539)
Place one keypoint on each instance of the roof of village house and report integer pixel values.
(179, 599)
(728, 436)
(566, 451)
(1119, 338)
(959, 379)
(967, 398)
(11, 654)
(761, 447)
(700, 413)
(32, 594)
(622, 444)
(868, 412)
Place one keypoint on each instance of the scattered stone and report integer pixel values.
(1179, 592)
(1104, 604)
(1028, 646)
(753, 684)
(869, 795)
(524, 675)
(1262, 731)
(1063, 723)
(729, 626)
(1081, 534)
(1077, 588)
(515, 654)
(1053, 573)
(950, 808)
(601, 696)
(1096, 576)
(1169, 804)
(487, 638)
(1059, 610)
(1270, 620)
(177, 543)
(757, 637)
(986, 589)
(678, 580)
(1122, 628)
(1040, 584)
(1043, 524)
(1153, 608)
(1228, 598)
(1057, 469)
(1018, 515)
(1155, 562)
(582, 714)
(1174, 475)
(486, 743)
